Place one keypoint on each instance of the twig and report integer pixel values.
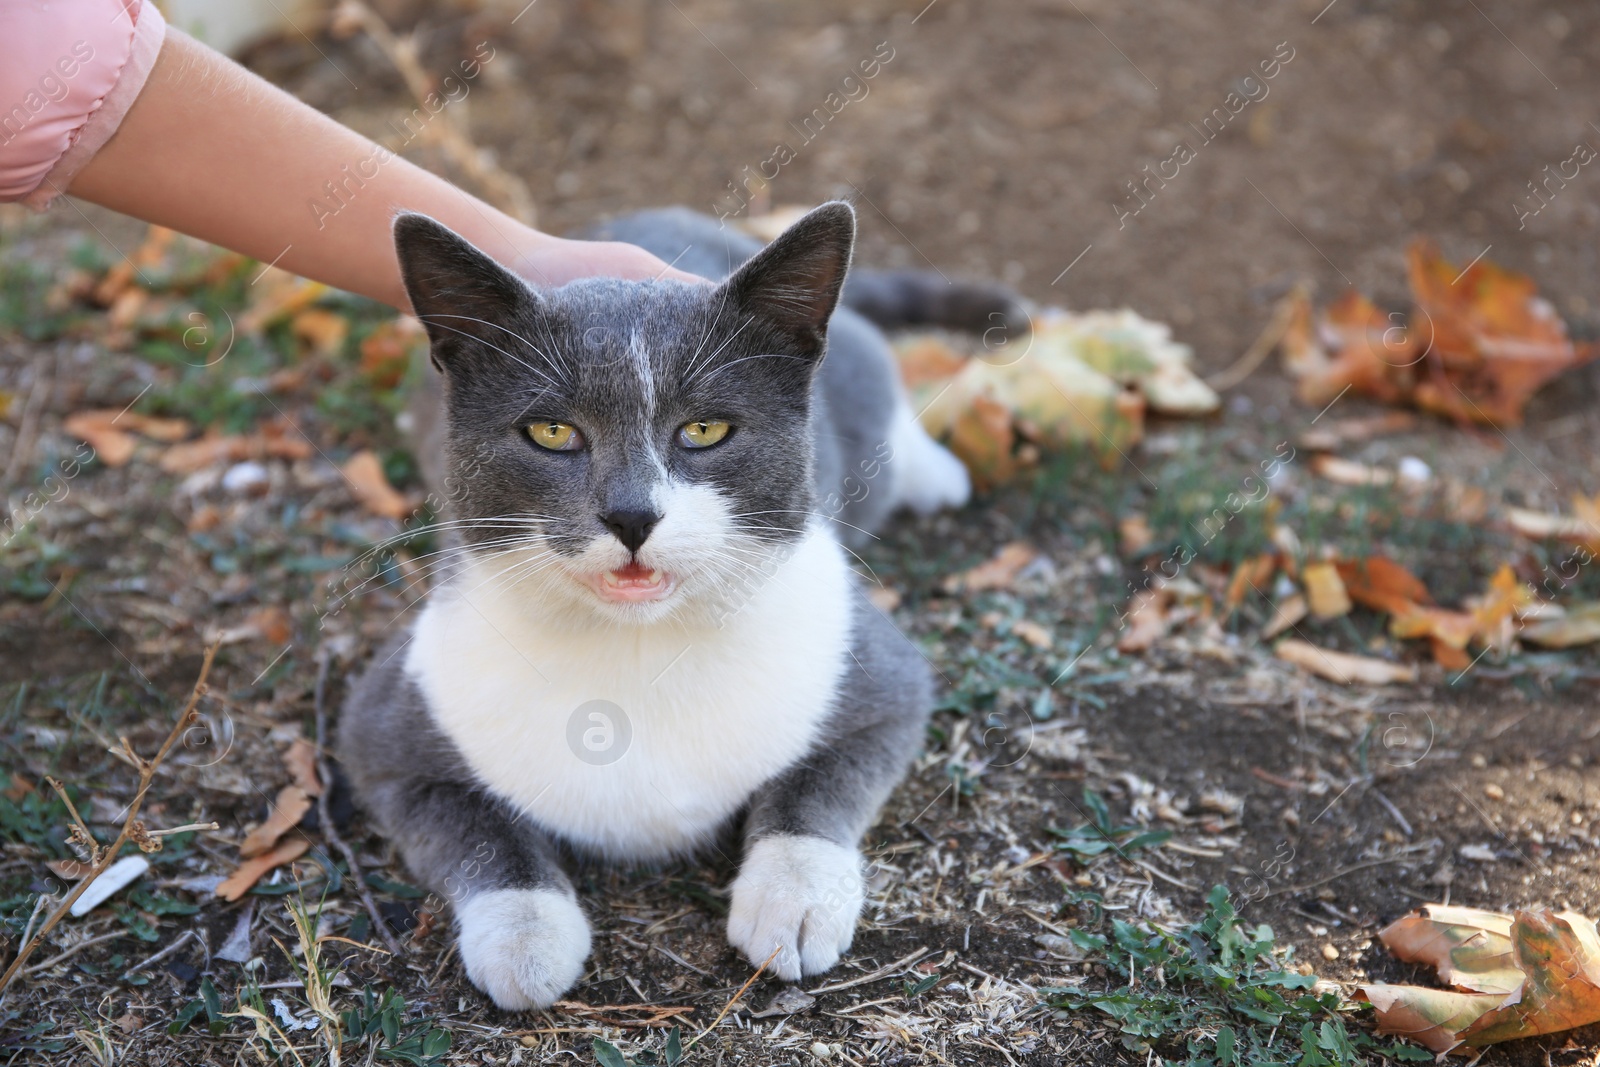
(325, 813)
(729, 1006)
(74, 950)
(1264, 343)
(881, 972)
(1336, 875)
(132, 829)
(505, 189)
(163, 954)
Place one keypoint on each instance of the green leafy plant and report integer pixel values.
(609, 1055)
(1217, 994)
(1100, 834)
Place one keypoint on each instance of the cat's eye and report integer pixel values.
(556, 436)
(702, 433)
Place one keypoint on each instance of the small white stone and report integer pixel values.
(243, 477)
(821, 1051)
(1413, 469)
(117, 876)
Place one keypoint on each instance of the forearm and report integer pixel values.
(212, 150)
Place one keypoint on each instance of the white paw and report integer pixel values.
(799, 895)
(927, 476)
(523, 947)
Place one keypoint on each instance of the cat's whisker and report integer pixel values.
(432, 318)
(690, 373)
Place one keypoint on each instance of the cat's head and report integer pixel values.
(634, 450)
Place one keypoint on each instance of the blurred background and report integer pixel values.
(1000, 139)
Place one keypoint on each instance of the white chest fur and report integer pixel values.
(636, 743)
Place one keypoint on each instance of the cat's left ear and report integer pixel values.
(794, 282)
(462, 296)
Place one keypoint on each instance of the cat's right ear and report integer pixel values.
(460, 295)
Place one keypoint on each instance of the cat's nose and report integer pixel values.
(631, 527)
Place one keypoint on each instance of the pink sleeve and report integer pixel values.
(69, 72)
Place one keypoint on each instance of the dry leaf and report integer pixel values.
(276, 440)
(1534, 972)
(301, 760)
(1253, 573)
(387, 352)
(285, 814)
(1342, 667)
(1478, 345)
(1343, 471)
(1134, 535)
(364, 472)
(279, 295)
(924, 360)
(1494, 340)
(1284, 616)
(1579, 626)
(251, 871)
(1335, 433)
(1146, 620)
(983, 438)
(111, 433)
(70, 870)
(1033, 633)
(997, 573)
(321, 331)
(1381, 584)
(1325, 593)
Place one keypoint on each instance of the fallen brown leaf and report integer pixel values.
(301, 760)
(1285, 615)
(1534, 972)
(1147, 621)
(251, 871)
(1579, 626)
(1342, 667)
(111, 433)
(983, 438)
(1253, 573)
(284, 815)
(999, 572)
(364, 472)
(1134, 535)
(1343, 471)
(1381, 584)
(320, 330)
(1325, 592)
(275, 440)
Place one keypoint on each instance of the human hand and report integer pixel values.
(556, 261)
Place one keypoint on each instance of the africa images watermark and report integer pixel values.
(1252, 90)
(339, 192)
(1583, 154)
(852, 90)
(51, 88)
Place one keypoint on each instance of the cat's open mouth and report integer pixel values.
(634, 582)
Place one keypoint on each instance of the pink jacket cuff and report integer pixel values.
(69, 72)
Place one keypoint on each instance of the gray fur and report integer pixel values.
(750, 349)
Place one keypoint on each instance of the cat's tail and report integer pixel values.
(895, 299)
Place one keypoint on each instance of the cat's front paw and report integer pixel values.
(799, 895)
(523, 947)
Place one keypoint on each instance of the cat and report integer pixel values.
(651, 633)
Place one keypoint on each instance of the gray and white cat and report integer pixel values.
(652, 629)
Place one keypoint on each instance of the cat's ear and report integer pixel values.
(794, 282)
(459, 294)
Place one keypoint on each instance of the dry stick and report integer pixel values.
(729, 1006)
(147, 773)
(325, 815)
(1262, 346)
(504, 188)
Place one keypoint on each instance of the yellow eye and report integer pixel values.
(556, 436)
(702, 433)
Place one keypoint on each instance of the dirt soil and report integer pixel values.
(997, 142)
